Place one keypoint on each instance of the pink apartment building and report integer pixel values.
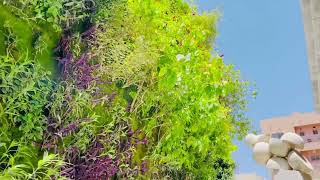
(307, 125)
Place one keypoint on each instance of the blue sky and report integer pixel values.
(265, 41)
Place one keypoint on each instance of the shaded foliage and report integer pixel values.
(24, 93)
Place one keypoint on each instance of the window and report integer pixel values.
(301, 133)
(280, 135)
(309, 140)
(276, 135)
(315, 131)
(315, 158)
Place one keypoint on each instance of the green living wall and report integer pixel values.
(115, 89)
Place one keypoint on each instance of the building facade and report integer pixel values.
(307, 125)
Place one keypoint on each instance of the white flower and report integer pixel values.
(188, 56)
(179, 57)
(185, 57)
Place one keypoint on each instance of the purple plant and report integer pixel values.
(70, 128)
(101, 168)
(55, 132)
(81, 70)
(84, 72)
(143, 167)
(92, 165)
(89, 34)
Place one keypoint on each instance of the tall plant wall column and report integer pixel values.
(115, 89)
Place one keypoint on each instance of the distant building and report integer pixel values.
(311, 18)
(307, 125)
(249, 176)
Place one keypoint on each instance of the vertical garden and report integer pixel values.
(115, 89)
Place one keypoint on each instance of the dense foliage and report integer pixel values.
(115, 89)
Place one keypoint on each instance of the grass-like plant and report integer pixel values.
(21, 162)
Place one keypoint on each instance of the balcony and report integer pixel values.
(311, 138)
(312, 142)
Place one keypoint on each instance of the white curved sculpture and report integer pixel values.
(261, 153)
(298, 162)
(278, 147)
(293, 139)
(278, 163)
(263, 138)
(280, 154)
(251, 139)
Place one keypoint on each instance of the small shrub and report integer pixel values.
(24, 91)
